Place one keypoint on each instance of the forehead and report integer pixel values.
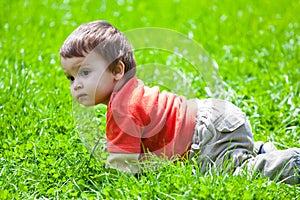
(69, 64)
(91, 59)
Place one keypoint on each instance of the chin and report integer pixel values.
(89, 104)
(86, 104)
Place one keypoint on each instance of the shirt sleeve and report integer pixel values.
(120, 140)
(124, 127)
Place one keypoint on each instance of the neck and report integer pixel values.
(127, 76)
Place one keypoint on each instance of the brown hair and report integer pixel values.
(101, 37)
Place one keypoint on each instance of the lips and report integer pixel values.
(80, 96)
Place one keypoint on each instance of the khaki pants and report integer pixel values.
(223, 138)
(279, 165)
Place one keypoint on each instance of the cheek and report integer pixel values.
(95, 83)
(89, 85)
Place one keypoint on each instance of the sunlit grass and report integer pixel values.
(255, 43)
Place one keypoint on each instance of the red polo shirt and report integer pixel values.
(142, 119)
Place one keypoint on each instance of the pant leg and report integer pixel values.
(261, 147)
(222, 135)
(279, 165)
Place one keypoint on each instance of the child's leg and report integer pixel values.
(280, 165)
(222, 133)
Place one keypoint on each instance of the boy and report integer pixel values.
(98, 60)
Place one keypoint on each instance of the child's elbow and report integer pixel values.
(127, 163)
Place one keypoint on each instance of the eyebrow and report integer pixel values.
(76, 65)
(66, 73)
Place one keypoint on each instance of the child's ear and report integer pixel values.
(118, 71)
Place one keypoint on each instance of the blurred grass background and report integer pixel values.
(255, 43)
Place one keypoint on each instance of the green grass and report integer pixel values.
(255, 43)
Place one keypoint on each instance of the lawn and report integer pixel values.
(256, 44)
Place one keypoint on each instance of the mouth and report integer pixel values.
(81, 96)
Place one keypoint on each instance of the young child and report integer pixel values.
(98, 60)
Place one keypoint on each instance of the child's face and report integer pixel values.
(91, 83)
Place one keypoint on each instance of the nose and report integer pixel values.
(77, 85)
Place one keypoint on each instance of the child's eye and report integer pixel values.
(71, 78)
(85, 72)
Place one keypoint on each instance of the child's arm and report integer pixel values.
(124, 162)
